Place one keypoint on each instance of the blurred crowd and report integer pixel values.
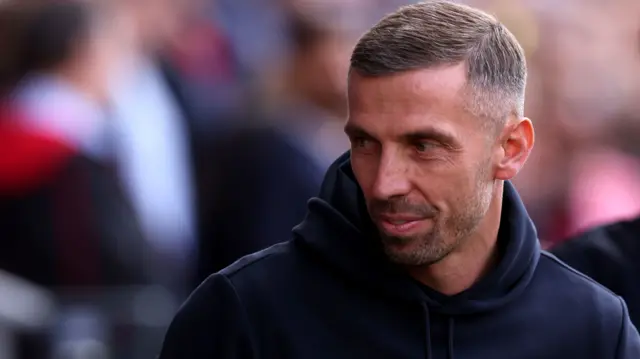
(145, 144)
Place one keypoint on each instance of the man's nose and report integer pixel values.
(391, 179)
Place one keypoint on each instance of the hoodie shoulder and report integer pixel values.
(212, 323)
(570, 286)
(563, 274)
(280, 271)
(583, 304)
(605, 253)
(260, 262)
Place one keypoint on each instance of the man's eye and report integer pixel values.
(361, 142)
(424, 146)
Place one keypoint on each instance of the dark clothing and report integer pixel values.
(261, 184)
(331, 293)
(611, 255)
(64, 221)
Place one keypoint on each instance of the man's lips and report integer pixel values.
(399, 219)
(399, 224)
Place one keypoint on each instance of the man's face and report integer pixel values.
(423, 162)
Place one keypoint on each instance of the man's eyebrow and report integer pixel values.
(422, 134)
(354, 130)
(431, 134)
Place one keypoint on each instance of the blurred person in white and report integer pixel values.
(265, 172)
(153, 136)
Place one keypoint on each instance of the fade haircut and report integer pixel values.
(438, 32)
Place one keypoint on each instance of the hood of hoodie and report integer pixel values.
(338, 228)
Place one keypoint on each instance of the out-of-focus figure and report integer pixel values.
(582, 173)
(65, 221)
(68, 221)
(265, 172)
(605, 190)
(152, 137)
(603, 177)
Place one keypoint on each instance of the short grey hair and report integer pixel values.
(440, 32)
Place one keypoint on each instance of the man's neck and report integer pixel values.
(471, 261)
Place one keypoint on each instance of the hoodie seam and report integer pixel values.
(245, 314)
(621, 331)
(242, 264)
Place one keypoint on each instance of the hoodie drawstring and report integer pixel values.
(450, 351)
(428, 331)
(428, 346)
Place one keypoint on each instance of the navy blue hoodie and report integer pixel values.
(330, 293)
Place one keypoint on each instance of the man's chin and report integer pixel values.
(400, 249)
(410, 251)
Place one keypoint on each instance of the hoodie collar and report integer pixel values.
(339, 229)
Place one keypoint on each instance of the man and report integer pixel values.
(609, 255)
(418, 246)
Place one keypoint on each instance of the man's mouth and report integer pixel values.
(399, 225)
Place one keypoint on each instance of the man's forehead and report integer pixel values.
(430, 83)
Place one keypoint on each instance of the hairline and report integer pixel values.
(471, 94)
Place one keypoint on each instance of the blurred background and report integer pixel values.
(145, 144)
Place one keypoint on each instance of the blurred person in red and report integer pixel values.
(64, 219)
(264, 173)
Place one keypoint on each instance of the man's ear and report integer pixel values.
(516, 143)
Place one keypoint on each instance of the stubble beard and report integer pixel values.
(446, 234)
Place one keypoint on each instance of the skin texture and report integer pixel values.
(431, 174)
